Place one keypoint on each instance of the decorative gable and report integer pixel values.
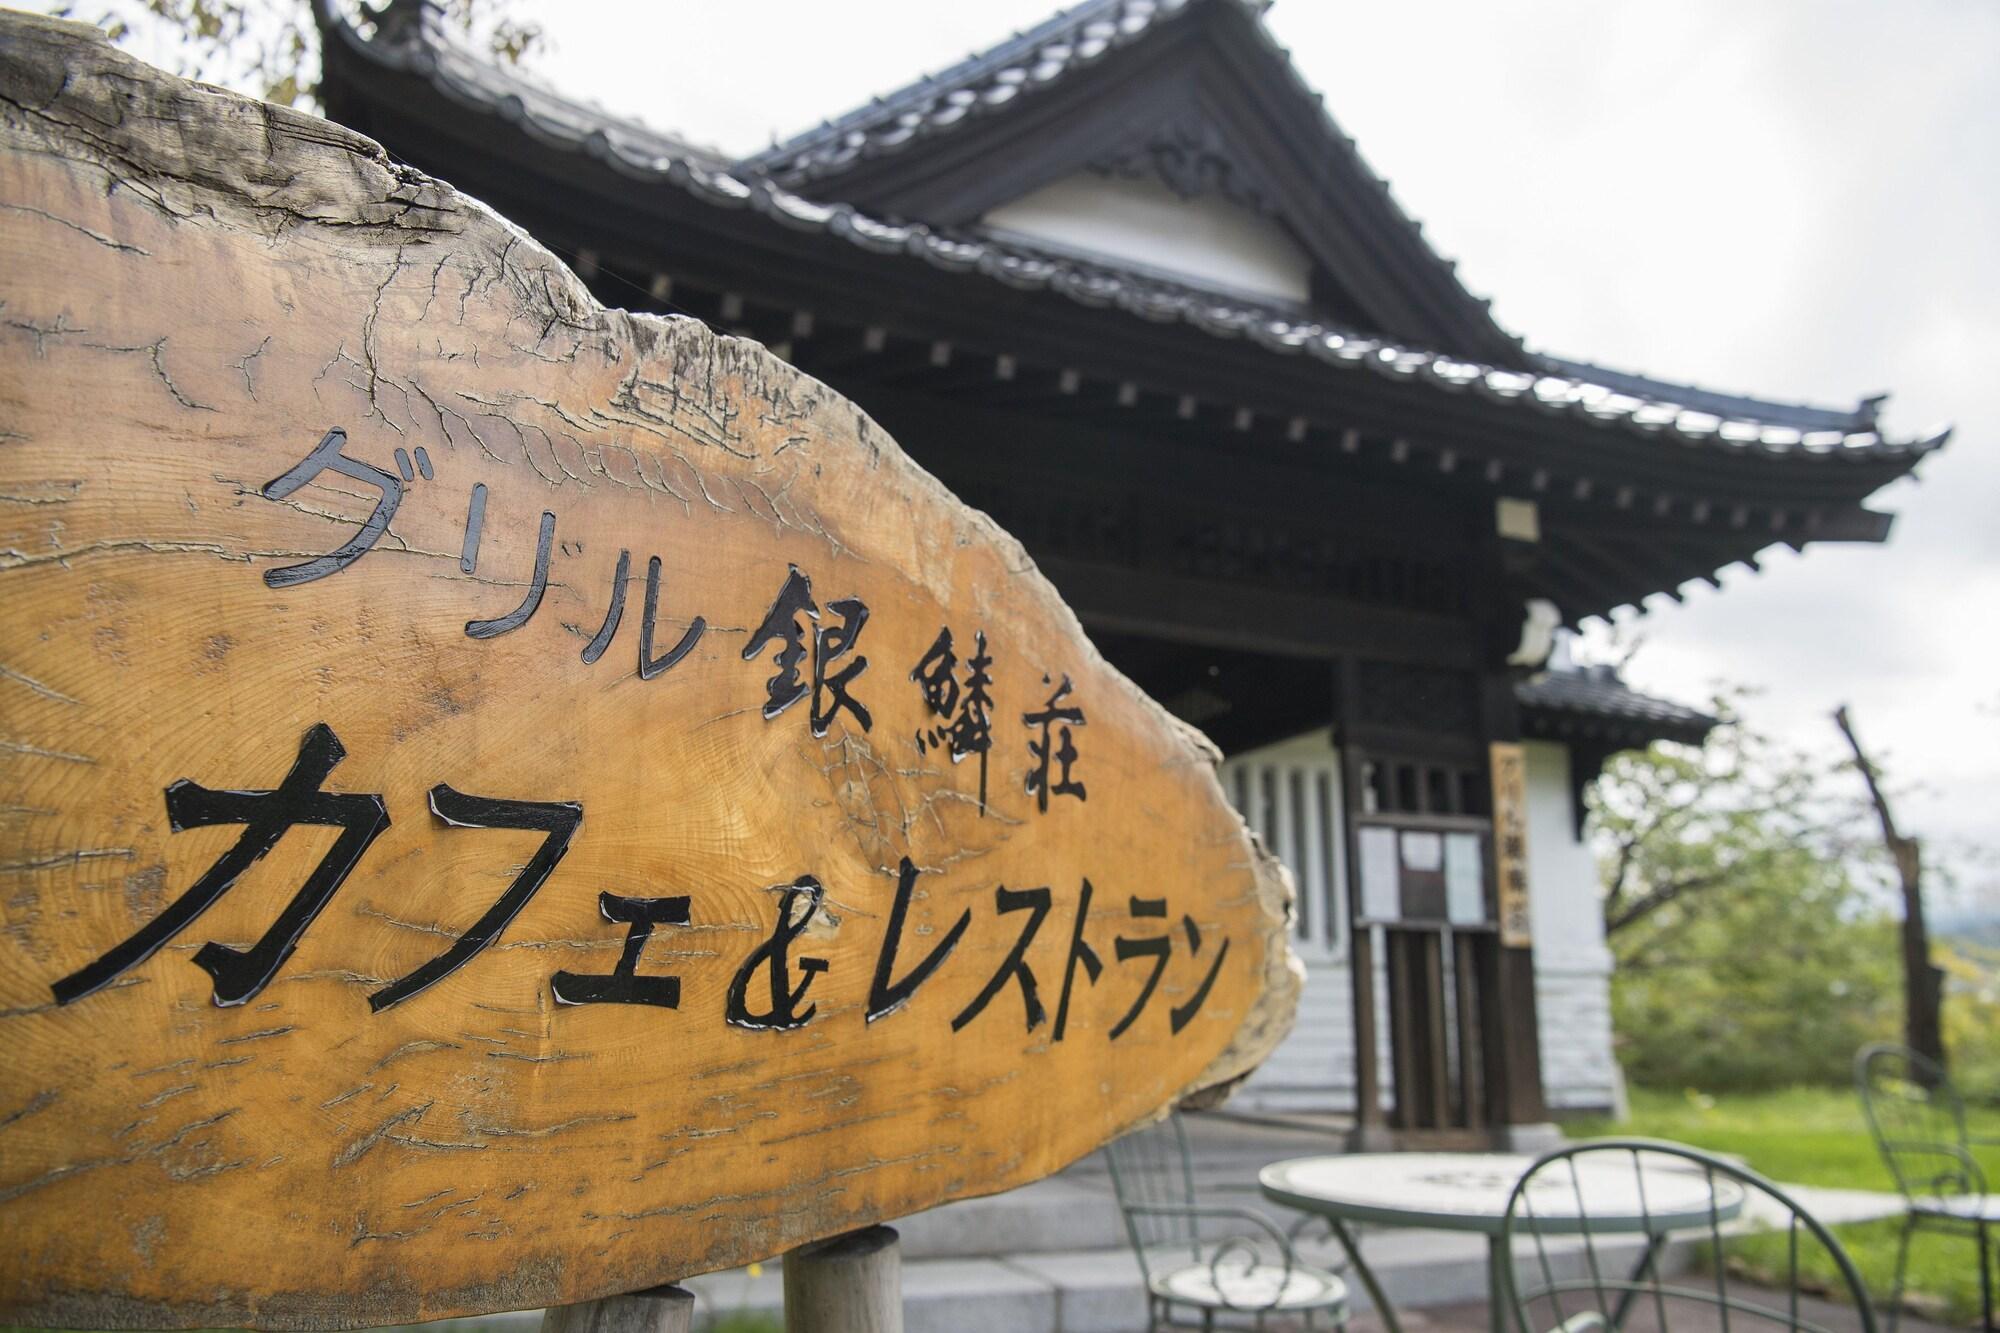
(1193, 95)
(1190, 157)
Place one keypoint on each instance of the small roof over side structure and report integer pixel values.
(1593, 703)
(1592, 712)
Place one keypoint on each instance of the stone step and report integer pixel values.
(1050, 1216)
(1101, 1290)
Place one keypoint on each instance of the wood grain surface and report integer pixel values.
(487, 815)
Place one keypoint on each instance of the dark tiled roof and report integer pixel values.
(983, 82)
(419, 45)
(1596, 693)
(1800, 416)
(995, 80)
(410, 35)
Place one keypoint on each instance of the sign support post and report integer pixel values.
(849, 1284)
(667, 1309)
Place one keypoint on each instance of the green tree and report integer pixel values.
(270, 48)
(1751, 949)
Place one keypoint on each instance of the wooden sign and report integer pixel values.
(1509, 763)
(504, 801)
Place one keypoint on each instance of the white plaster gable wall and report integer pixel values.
(1205, 238)
(1572, 964)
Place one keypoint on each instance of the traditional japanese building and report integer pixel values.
(1121, 282)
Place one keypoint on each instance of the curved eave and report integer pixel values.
(1606, 729)
(395, 76)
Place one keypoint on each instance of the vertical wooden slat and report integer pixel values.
(1431, 1028)
(1494, 1075)
(1339, 885)
(1316, 903)
(1281, 814)
(1385, 1059)
(1405, 1030)
(1471, 1065)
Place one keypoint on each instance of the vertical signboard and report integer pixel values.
(1509, 764)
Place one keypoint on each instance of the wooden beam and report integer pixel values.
(1646, 576)
(1604, 596)
(1230, 615)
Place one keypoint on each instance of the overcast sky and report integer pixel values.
(1792, 198)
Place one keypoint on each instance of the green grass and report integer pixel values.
(1816, 1136)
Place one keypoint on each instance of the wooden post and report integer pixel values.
(1370, 1133)
(1512, 1039)
(656, 1310)
(1514, 1033)
(850, 1284)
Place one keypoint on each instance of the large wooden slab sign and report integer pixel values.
(504, 801)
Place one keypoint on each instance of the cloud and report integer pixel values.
(1791, 199)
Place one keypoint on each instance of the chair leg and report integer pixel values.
(1902, 1258)
(1985, 1282)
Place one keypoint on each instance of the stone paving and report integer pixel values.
(1052, 1257)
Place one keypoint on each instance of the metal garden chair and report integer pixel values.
(1580, 1276)
(1214, 1260)
(1918, 1120)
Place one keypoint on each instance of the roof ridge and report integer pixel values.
(953, 78)
(1035, 60)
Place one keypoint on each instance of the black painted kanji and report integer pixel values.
(1061, 751)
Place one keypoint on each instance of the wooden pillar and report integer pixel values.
(1512, 1033)
(1472, 1108)
(656, 1310)
(850, 1284)
(1370, 1133)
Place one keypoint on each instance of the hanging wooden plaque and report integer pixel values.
(504, 801)
(1509, 763)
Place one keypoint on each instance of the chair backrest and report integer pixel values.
(1152, 1169)
(1918, 1120)
(1578, 1222)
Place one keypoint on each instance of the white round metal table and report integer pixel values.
(1469, 1192)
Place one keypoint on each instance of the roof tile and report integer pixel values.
(640, 154)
